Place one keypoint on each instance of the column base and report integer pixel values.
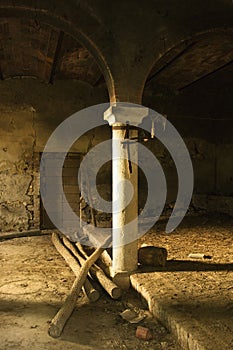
(121, 279)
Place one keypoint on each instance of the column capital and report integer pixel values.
(125, 113)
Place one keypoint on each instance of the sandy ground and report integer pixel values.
(199, 290)
(33, 282)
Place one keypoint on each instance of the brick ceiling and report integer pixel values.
(30, 48)
(193, 60)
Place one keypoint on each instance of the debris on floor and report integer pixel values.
(199, 256)
(150, 255)
(143, 333)
(25, 312)
(134, 316)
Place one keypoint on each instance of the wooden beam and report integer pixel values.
(99, 81)
(29, 233)
(206, 75)
(169, 62)
(56, 56)
(1, 73)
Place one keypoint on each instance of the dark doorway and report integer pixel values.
(70, 187)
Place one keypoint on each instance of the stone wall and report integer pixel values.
(29, 112)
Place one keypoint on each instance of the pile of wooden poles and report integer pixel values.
(86, 270)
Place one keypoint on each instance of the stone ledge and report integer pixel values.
(189, 334)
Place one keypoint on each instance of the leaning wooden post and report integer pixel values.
(60, 319)
(91, 292)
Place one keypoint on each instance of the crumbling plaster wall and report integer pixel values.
(29, 113)
(31, 110)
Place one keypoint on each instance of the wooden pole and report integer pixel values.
(91, 292)
(30, 233)
(105, 263)
(60, 319)
(111, 288)
(93, 218)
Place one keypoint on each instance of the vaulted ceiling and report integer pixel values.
(29, 47)
(32, 48)
(195, 59)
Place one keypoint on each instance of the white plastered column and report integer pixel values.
(125, 255)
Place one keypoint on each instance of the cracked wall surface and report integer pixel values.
(31, 110)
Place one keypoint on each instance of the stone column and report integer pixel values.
(123, 118)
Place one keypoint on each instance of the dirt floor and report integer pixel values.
(33, 282)
(199, 290)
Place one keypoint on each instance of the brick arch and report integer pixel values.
(211, 37)
(74, 22)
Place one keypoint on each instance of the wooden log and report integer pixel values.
(106, 258)
(111, 288)
(60, 319)
(74, 251)
(105, 262)
(86, 179)
(91, 292)
(30, 233)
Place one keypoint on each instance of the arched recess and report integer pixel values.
(54, 15)
(191, 60)
(192, 84)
